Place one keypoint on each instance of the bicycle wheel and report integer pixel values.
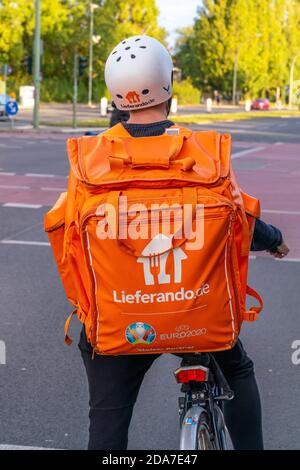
(205, 436)
(196, 431)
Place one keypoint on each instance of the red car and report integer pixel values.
(260, 103)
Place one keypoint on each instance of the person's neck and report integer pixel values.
(147, 116)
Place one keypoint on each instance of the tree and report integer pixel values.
(64, 31)
(255, 37)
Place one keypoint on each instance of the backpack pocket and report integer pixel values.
(72, 275)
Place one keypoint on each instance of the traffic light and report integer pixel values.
(83, 62)
(27, 64)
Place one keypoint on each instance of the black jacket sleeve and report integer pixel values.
(265, 237)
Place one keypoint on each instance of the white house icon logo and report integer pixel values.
(154, 259)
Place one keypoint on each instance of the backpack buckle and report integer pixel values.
(250, 315)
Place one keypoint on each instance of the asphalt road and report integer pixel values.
(44, 399)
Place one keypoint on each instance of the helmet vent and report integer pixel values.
(118, 59)
(138, 39)
(143, 47)
(133, 56)
(127, 48)
(114, 52)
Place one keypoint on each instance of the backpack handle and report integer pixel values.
(150, 152)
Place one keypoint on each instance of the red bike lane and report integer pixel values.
(275, 180)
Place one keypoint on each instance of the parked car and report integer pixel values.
(260, 104)
(3, 100)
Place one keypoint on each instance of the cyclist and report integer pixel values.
(114, 381)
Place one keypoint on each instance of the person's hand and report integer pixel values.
(281, 251)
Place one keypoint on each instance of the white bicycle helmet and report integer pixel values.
(138, 73)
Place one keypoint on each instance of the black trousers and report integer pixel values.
(114, 383)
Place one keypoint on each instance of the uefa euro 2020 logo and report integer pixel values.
(140, 333)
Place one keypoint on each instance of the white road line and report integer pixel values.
(11, 147)
(13, 447)
(40, 175)
(291, 260)
(246, 152)
(24, 242)
(278, 143)
(7, 173)
(52, 189)
(6, 186)
(271, 211)
(21, 205)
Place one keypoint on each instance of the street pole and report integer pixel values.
(235, 71)
(5, 73)
(90, 89)
(75, 90)
(37, 61)
(292, 80)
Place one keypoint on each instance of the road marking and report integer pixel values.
(40, 175)
(246, 152)
(7, 146)
(13, 447)
(53, 189)
(271, 211)
(78, 130)
(24, 242)
(278, 143)
(7, 173)
(6, 186)
(292, 260)
(21, 205)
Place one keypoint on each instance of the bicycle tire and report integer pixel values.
(196, 427)
(205, 435)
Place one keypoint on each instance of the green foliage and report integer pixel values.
(186, 92)
(64, 31)
(260, 36)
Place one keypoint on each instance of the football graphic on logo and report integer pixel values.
(140, 333)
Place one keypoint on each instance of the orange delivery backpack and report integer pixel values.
(152, 240)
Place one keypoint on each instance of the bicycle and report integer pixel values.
(201, 417)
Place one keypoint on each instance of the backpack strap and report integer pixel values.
(252, 314)
(68, 340)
